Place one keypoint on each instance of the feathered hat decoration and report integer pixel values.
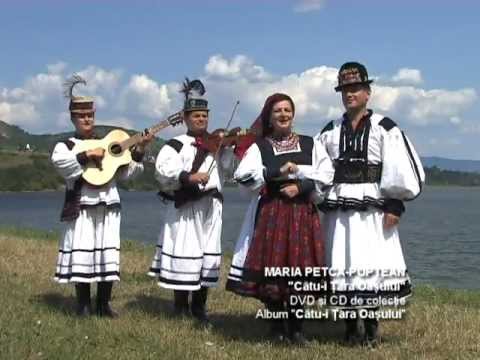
(193, 92)
(78, 104)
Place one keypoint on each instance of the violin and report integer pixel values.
(220, 138)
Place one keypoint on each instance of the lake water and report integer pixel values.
(439, 231)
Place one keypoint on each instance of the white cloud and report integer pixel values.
(455, 120)
(146, 97)
(120, 122)
(422, 107)
(240, 67)
(316, 102)
(100, 80)
(138, 101)
(63, 121)
(309, 5)
(406, 76)
(22, 114)
(312, 90)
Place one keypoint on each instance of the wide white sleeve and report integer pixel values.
(66, 163)
(168, 167)
(321, 171)
(249, 172)
(402, 172)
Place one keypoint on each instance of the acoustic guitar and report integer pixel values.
(117, 144)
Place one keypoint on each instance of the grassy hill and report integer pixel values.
(38, 319)
(452, 165)
(30, 171)
(13, 138)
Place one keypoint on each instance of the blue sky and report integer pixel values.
(135, 54)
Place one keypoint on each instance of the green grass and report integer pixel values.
(37, 320)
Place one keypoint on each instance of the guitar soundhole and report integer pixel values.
(116, 149)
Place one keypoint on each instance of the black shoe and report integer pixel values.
(84, 312)
(298, 338)
(278, 333)
(181, 311)
(104, 294)
(371, 338)
(106, 310)
(278, 326)
(199, 307)
(295, 331)
(202, 319)
(180, 303)
(84, 306)
(354, 332)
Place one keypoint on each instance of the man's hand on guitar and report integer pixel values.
(96, 155)
(199, 178)
(146, 139)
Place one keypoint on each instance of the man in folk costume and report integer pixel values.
(191, 179)
(90, 247)
(376, 170)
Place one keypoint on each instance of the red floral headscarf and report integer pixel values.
(262, 122)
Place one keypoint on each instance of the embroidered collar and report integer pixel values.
(284, 144)
(348, 123)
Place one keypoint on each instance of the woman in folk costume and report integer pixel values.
(90, 247)
(376, 169)
(191, 179)
(282, 225)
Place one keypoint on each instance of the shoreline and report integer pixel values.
(229, 186)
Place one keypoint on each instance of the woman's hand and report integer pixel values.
(390, 220)
(290, 190)
(289, 168)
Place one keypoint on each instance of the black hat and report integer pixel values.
(352, 73)
(193, 91)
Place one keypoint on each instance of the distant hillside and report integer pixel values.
(22, 170)
(450, 164)
(33, 171)
(14, 138)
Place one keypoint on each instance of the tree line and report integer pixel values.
(34, 172)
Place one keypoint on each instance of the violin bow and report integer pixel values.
(215, 157)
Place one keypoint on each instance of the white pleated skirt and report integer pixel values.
(362, 255)
(188, 252)
(90, 247)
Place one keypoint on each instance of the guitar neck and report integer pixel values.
(135, 139)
